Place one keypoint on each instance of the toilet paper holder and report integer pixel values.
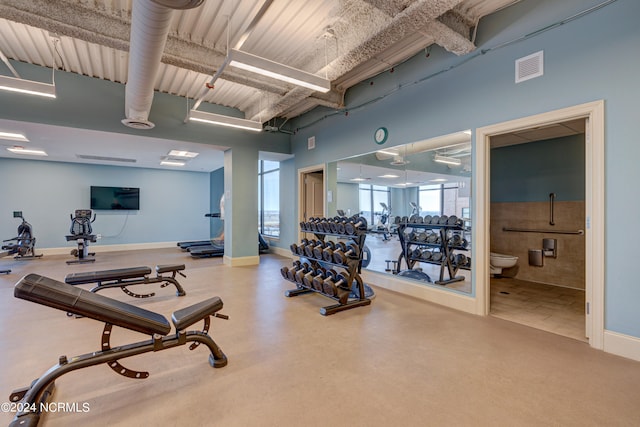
(550, 248)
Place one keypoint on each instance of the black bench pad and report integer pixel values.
(167, 268)
(53, 293)
(190, 315)
(104, 275)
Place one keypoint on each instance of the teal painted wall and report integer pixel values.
(217, 190)
(172, 203)
(530, 172)
(89, 103)
(589, 58)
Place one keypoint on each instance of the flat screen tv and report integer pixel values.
(115, 198)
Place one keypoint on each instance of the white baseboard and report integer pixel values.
(109, 248)
(447, 298)
(241, 261)
(622, 345)
(282, 252)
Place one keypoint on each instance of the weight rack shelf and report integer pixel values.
(446, 264)
(352, 272)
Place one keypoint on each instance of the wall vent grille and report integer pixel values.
(103, 158)
(529, 67)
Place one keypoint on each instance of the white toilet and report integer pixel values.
(499, 261)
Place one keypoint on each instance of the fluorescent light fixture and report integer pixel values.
(29, 151)
(256, 64)
(27, 86)
(358, 179)
(388, 176)
(447, 160)
(438, 180)
(404, 184)
(221, 120)
(389, 153)
(182, 153)
(13, 136)
(172, 163)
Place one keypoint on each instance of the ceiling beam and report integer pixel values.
(70, 19)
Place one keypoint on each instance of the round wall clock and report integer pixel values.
(381, 135)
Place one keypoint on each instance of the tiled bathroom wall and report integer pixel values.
(568, 269)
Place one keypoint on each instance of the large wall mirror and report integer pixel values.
(416, 199)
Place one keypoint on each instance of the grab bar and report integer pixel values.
(552, 197)
(527, 230)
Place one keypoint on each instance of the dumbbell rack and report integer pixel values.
(352, 267)
(445, 262)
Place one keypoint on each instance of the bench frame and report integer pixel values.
(122, 283)
(32, 397)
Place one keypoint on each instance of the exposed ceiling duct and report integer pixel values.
(150, 24)
(175, 50)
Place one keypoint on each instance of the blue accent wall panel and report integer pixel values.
(217, 190)
(172, 203)
(530, 172)
(589, 58)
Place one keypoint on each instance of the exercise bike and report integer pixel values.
(382, 226)
(24, 246)
(80, 231)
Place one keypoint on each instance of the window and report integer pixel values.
(443, 199)
(269, 198)
(370, 198)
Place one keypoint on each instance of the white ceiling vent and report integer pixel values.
(530, 67)
(104, 158)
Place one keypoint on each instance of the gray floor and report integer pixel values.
(398, 362)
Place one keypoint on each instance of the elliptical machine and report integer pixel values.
(24, 245)
(382, 226)
(80, 231)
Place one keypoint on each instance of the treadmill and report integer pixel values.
(202, 244)
(216, 248)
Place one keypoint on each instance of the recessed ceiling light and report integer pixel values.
(28, 151)
(404, 184)
(13, 136)
(447, 160)
(360, 179)
(182, 153)
(388, 176)
(438, 180)
(172, 163)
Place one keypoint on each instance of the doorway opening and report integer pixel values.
(537, 184)
(311, 189)
(593, 116)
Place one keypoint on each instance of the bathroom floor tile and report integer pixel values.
(551, 308)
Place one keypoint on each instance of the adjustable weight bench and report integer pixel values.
(52, 293)
(123, 277)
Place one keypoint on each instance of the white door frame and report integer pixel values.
(593, 112)
(301, 196)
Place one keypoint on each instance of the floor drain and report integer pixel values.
(504, 292)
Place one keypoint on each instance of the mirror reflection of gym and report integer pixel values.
(422, 180)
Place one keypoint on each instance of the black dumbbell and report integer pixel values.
(308, 248)
(359, 223)
(289, 272)
(303, 276)
(342, 255)
(317, 250)
(327, 252)
(293, 273)
(337, 286)
(318, 281)
(307, 279)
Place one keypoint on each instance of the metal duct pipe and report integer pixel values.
(150, 23)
